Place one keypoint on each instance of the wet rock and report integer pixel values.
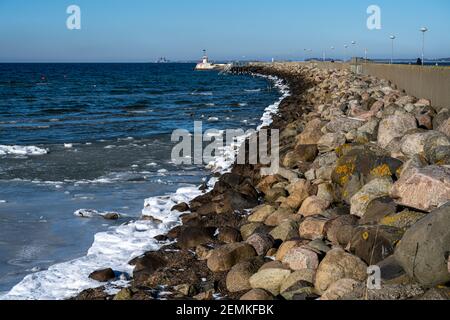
(299, 156)
(261, 242)
(269, 280)
(338, 265)
(238, 279)
(103, 275)
(181, 207)
(229, 235)
(257, 295)
(313, 206)
(191, 237)
(423, 250)
(423, 188)
(285, 231)
(225, 257)
(395, 126)
(146, 265)
(301, 258)
(374, 243)
(261, 213)
(330, 142)
(203, 252)
(313, 228)
(123, 295)
(376, 188)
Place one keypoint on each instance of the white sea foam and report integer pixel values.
(111, 249)
(22, 150)
(116, 247)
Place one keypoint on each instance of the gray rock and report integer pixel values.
(423, 249)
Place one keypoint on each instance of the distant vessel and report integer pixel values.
(205, 65)
(162, 60)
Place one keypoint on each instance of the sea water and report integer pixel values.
(96, 137)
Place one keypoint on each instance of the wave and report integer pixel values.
(22, 150)
(116, 247)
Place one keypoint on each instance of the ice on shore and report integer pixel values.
(111, 249)
(22, 150)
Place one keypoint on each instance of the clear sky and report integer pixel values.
(143, 30)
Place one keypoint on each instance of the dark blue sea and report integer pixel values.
(97, 136)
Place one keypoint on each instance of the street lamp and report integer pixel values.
(345, 47)
(392, 52)
(353, 47)
(423, 30)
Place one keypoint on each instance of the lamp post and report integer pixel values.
(353, 47)
(423, 30)
(332, 48)
(345, 47)
(392, 51)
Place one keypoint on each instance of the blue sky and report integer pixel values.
(142, 30)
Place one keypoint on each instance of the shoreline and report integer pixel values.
(156, 218)
(356, 154)
(342, 203)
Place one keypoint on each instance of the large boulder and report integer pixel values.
(343, 125)
(257, 295)
(423, 250)
(313, 228)
(423, 188)
(357, 166)
(261, 213)
(269, 280)
(374, 243)
(340, 289)
(338, 265)
(285, 231)
(301, 258)
(311, 134)
(225, 257)
(261, 242)
(376, 188)
(313, 206)
(395, 126)
(298, 192)
(238, 279)
(191, 237)
(413, 144)
(330, 142)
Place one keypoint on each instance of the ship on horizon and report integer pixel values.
(206, 65)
